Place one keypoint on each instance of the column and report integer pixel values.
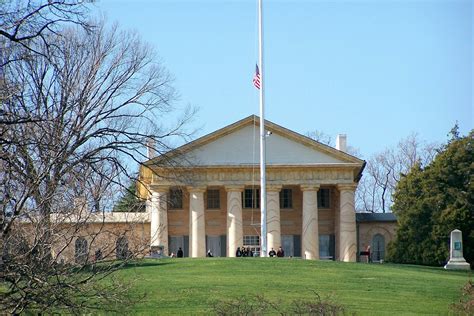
(235, 230)
(158, 209)
(310, 229)
(197, 225)
(347, 225)
(273, 217)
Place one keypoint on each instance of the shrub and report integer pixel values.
(465, 305)
(259, 305)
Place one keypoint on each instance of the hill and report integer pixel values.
(191, 286)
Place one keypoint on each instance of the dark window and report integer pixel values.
(81, 250)
(176, 199)
(121, 248)
(286, 198)
(213, 199)
(251, 198)
(324, 198)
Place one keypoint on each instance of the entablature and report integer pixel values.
(287, 175)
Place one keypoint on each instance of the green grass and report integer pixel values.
(189, 286)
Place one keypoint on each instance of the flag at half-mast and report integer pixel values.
(256, 78)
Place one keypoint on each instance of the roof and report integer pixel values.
(269, 126)
(375, 217)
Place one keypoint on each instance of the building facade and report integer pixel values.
(205, 195)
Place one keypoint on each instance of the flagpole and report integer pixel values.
(263, 187)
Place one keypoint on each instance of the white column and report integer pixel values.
(347, 224)
(273, 217)
(310, 229)
(157, 207)
(197, 224)
(235, 230)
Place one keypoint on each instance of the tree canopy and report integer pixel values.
(73, 117)
(130, 201)
(430, 202)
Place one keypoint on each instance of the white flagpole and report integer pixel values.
(263, 188)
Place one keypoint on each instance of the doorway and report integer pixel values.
(288, 245)
(378, 248)
(214, 243)
(176, 242)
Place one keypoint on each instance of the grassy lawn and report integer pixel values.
(189, 286)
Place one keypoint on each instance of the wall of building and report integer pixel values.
(216, 219)
(103, 237)
(178, 219)
(290, 219)
(367, 231)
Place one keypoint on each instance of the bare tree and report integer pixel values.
(384, 169)
(30, 23)
(326, 139)
(320, 136)
(91, 102)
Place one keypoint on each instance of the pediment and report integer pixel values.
(238, 145)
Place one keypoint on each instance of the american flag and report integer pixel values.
(256, 78)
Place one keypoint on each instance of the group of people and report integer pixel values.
(279, 253)
(179, 253)
(242, 252)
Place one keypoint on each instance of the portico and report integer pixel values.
(310, 195)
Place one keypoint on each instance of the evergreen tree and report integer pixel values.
(130, 201)
(431, 202)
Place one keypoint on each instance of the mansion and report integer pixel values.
(204, 196)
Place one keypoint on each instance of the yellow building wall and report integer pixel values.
(101, 236)
(367, 230)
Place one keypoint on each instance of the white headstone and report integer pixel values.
(456, 258)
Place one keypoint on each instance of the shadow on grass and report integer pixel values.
(147, 263)
(112, 265)
(428, 269)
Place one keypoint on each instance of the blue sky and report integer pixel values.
(375, 70)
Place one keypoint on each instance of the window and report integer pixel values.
(253, 242)
(324, 198)
(121, 248)
(176, 199)
(81, 250)
(286, 198)
(251, 198)
(213, 199)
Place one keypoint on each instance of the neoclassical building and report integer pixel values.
(205, 196)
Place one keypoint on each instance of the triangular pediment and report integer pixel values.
(238, 144)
